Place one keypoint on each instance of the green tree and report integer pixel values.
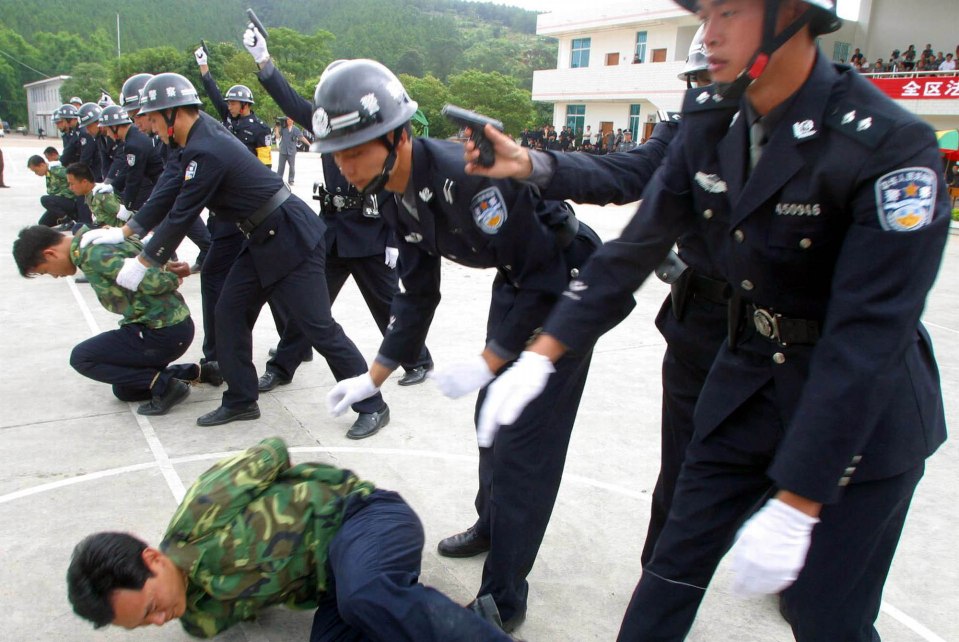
(494, 95)
(19, 65)
(87, 80)
(431, 95)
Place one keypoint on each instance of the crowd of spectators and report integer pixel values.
(567, 140)
(909, 60)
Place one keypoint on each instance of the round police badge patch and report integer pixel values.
(906, 199)
(489, 210)
(131, 160)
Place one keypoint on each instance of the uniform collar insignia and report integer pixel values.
(864, 124)
(702, 97)
(426, 195)
(711, 183)
(849, 117)
(448, 187)
(804, 129)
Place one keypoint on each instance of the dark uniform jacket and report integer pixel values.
(88, 149)
(142, 166)
(250, 130)
(480, 223)
(842, 224)
(234, 185)
(71, 148)
(351, 232)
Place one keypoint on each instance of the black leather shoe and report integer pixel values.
(270, 380)
(307, 357)
(465, 544)
(485, 607)
(414, 376)
(210, 373)
(176, 392)
(224, 415)
(368, 424)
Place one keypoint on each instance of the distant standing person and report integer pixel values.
(288, 135)
(2, 184)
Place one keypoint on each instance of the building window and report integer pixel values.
(580, 53)
(840, 52)
(634, 122)
(575, 118)
(640, 54)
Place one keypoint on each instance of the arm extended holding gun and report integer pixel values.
(254, 39)
(489, 151)
(476, 123)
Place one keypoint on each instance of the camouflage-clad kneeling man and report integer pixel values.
(253, 532)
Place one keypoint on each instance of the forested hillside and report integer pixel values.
(424, 39)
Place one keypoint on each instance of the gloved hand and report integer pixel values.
(201, 57)
(103, 235)
(349, 391)
(462, 378)
(391, 255)
(771, 549)
(124, 214)
(255, 43)
(508, 396)
(131, 274)
(102, 188)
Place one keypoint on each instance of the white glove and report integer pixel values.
(103, 235)
(131, 274)
(462, 378)
(349, 391)
(771, 549)
(255, 43)
(201, 57)
(508, 396)
(124, 214)
(102, 188)
(390, 257)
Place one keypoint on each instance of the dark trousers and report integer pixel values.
(59, 209)
(303, 295)
(519, 477)
(837, 594)
(377, 283)
(215, 268)
(374, 590)
(135, 358)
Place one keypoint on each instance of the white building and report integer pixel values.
(43, 96)
(618, 63)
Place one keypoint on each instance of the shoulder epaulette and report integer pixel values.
(706, 99)
(859, 123)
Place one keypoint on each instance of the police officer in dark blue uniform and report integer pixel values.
(822, 203)
(143, 162)
(692, 318)
(281, 259)
(362, 117)
(358, 242)
(88, 122)
(69, 116)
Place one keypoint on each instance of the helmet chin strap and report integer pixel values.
(770, 43)
(378, 183)
(170, 120)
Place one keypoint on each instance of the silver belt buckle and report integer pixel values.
(766, 324)
(339, 202)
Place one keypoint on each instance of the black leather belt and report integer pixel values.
(250, 223)
(782, 330)
(346, 202)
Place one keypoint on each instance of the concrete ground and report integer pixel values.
(74, 460)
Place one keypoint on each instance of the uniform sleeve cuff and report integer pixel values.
(386, 362)
(500, 351)
(267, 70)
(137, 228)
(544, 166)
(150, 260)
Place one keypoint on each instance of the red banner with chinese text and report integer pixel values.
(919, 88)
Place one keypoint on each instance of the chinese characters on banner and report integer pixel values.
(913, 88)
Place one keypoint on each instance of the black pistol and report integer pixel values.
(256, 22)
(206, 49)
(476, 123)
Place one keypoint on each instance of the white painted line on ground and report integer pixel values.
(909, 622)
(159, 454)
(940, 327)
(70, 481)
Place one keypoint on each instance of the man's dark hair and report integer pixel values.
(36, 161)
(51, 150)
(81, 171)
(29, 246)
(101, 564)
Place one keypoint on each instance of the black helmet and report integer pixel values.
(130, 92)
(55, 116)
(165, 91)
(113, 116)
(89, 113)
(357, 101)
(68, 111)
(239, 93)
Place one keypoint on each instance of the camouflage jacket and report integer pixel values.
(57, 182)
(253, 532)
(104, 208)
(156, 303)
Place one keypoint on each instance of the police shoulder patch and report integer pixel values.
(131, 160)
(906, 199)
(190, 170)
(489, 210)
